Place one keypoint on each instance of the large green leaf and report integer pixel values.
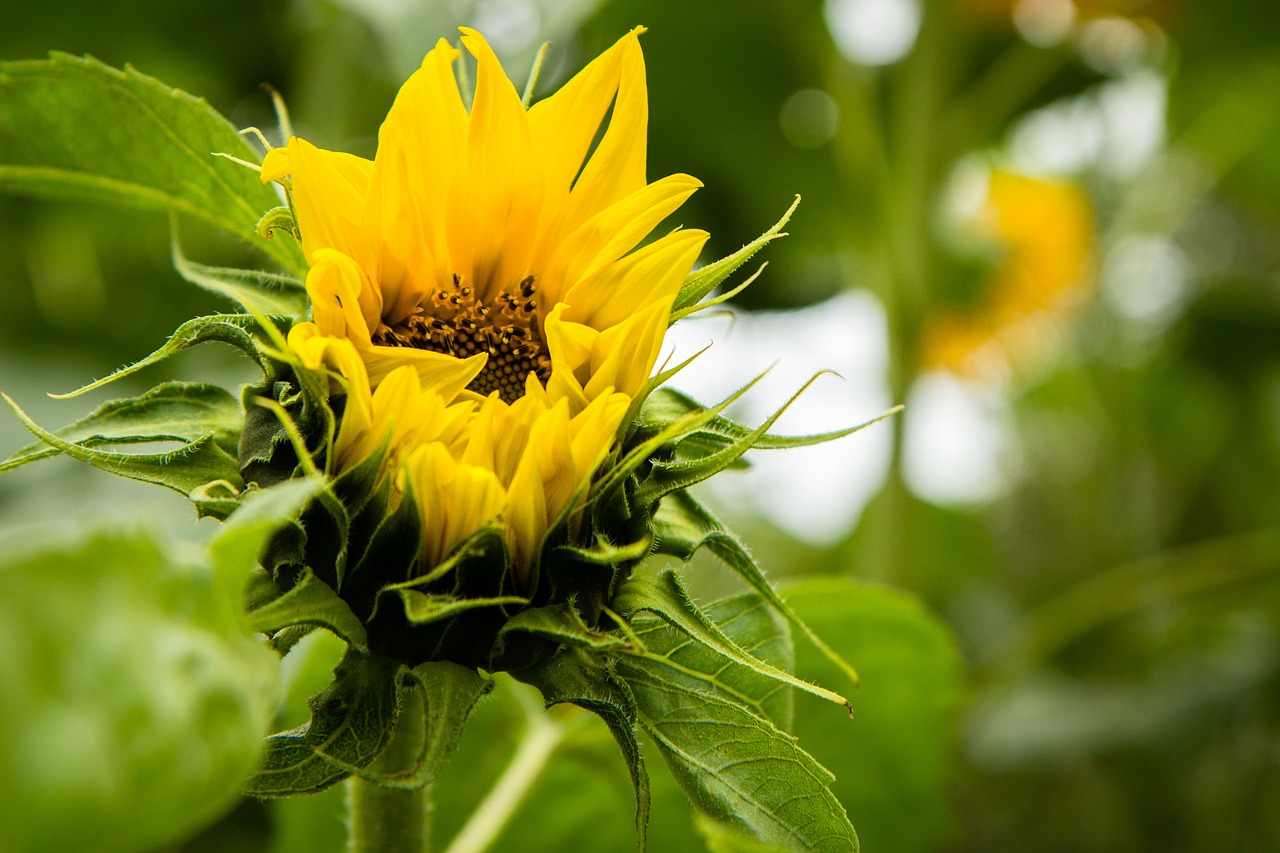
(134, 701)
(754, 627)
(257, 291)
(74, 127)
(892, 760)
(664, 596)
(736, 767)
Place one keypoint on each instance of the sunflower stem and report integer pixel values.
(392, 820)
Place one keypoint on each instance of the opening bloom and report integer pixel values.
(485, 269)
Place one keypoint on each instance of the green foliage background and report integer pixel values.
(1115, 603)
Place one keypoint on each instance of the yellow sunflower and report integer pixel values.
(1041, 230)
(484, 269)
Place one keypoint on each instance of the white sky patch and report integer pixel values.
(955, 442)
(1147, 279)
(873, 32)
(815, 493)
(1116, 128)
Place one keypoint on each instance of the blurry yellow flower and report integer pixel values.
(484, 254)
(1042, 231)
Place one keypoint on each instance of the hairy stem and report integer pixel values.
(392, 820)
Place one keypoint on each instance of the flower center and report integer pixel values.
(455, 322)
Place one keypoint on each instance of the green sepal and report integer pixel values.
(189, 469)
(675, 471)
(668, 405)
(583, 678)
(222, 328)
(665, 597)
(702, 281)
(561, 623)
(238, 546)
(422, 608)
(171, 411)
(279, 218)
(448, 692)
(352, 721)
(72, 127)
(310, 602)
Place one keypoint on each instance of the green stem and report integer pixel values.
(392, 820)
(543, 733)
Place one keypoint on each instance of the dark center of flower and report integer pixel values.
(455, 321)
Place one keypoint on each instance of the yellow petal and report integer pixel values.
(456, 499)
(343, 303)
(275, 165)
(617, 167)
(497, 199)
(563, 126)
(424, 139)
(329, 190)
(652, 274)
(444, 373)
(613, 232)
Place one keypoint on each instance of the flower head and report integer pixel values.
(477, 292)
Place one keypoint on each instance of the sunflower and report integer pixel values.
(1039, 239)
(476, 288)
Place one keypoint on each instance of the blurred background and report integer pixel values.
(1051, 228)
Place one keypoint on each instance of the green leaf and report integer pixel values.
(683, 526)
(448, 692)
(351, 723)
(664, 596)
(578, 677)
(701, 282)
(73, 127)
(310, 602)
(190, 469)
(172, 411)
(736, 767)
(223, 328)
(893, 759)
(134, 703)
(751, 625)
(261, 292)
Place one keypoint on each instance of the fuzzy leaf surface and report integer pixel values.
(351, 722)
(190, 469)
(172, 411)
(74, 127)
(737, 767)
